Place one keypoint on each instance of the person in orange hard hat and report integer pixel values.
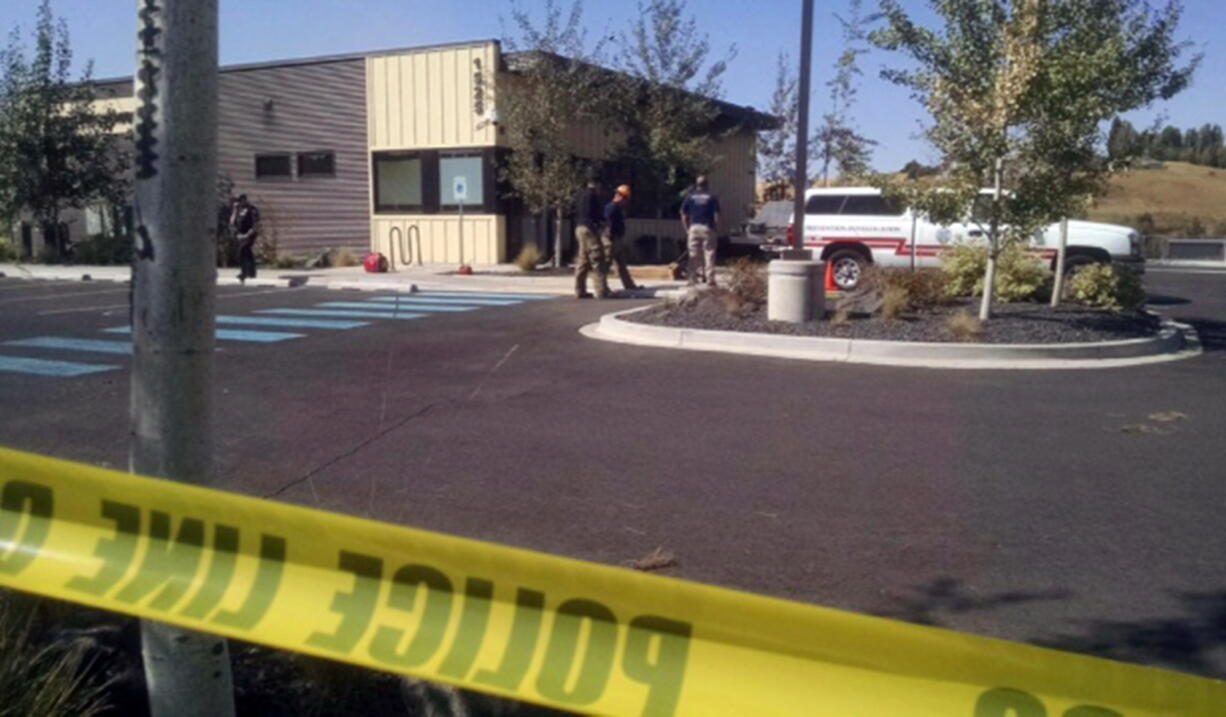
(614, 236)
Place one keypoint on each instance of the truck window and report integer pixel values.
(872, 205)
(825, 204)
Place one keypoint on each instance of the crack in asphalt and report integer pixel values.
(354, 450)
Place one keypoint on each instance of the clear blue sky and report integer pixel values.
(257, 30)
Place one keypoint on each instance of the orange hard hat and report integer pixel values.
(624, 190)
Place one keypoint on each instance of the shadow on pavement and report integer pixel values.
(1212, 333)
(1163, 300)
(930, 602)
(1193, 642)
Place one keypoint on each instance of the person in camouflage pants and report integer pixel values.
(589, 220)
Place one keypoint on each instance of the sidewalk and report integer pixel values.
(502, 278)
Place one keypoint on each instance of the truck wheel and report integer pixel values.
(847, 266)
(1076, 261)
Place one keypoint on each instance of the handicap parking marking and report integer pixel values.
(367, 306)
(347, 313)
(123, 348)
(291, 323)
(483, 295)
(43, 367)
(259, 337)
(413, 299)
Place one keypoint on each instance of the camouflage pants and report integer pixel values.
(591, 257)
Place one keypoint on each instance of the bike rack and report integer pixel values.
(397, 239)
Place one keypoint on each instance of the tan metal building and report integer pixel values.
(364, 151)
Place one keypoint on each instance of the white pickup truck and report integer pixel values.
(853, 227)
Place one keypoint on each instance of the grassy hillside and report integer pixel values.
(1180, 200)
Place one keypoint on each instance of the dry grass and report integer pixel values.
(962, 326)
(1173, 196)
(894, 302)
(841, 317)
(528, 257)
(657, 559)
(344, 257)
(42, 680)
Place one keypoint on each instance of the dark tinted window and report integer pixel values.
(317, 164)
(399, 182)
(272, 165)
(825, 203)
(871, 204)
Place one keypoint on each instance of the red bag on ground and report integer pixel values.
(375, 263)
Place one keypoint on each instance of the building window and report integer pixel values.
(268, 166)
(398, 182)
(316, 164)
(470, 167)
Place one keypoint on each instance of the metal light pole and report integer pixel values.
(802, 125)
(173, 278)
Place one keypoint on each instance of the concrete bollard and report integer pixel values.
(795, 291)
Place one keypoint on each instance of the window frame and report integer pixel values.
(330, 174)
(289, 166)
(429, 182)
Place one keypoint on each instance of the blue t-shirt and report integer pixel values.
(700, 208)
(615, 220)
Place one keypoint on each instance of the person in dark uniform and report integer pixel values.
(700, 218)
(246, 222)
(614, 236)
(589, 219)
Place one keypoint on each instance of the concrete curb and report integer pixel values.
(1174, 341)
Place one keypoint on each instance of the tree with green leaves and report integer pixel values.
(836, 141)
(667, 113)
(777, 146)
(552, 87)
(57, 149)
(1018, 91)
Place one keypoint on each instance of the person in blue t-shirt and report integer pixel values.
(700, 217)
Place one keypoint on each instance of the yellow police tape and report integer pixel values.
(534, 627)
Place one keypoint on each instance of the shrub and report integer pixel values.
(528, 257)
(286, 261)
(747, 281)
(922, 289)
(103, 249)
(8, 251)
(895, 301)
(1194, 229)
(1145, 223)
(344, 257)
(1020, 275)
(1219, 230)
(1107, 287)
(963, 327)
(964, 265)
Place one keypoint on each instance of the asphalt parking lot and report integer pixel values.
(1078, 509)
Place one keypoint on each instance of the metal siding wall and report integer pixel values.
(424, 99)
(315, 107)
(734, 178)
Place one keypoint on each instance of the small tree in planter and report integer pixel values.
(1018, 90)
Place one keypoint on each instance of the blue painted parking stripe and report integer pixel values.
(68, 344)
(290, 323)
(343, 313)
(370, 306)
(445, 300)
(259, 337)
(41, 367)
(485, 295)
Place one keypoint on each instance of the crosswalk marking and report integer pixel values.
(43, 367)
(259, 337)
(484, 295)
(413, 299)
(68, 344)
(368, 306)
(290, 323)
(344, 313)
